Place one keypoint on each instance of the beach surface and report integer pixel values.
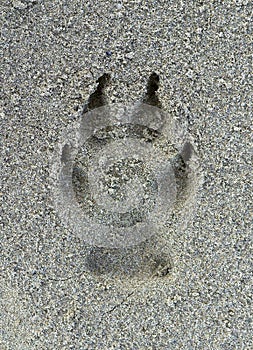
(55, 291)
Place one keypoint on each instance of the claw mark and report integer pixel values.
(151, 97)
(97, 98)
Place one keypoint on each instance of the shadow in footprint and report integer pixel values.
(142, 261)
(97, 98)
(151, 97)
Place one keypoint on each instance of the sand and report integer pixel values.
(56, 292)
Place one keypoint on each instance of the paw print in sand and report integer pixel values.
(122, 173)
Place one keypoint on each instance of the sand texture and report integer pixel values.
(190, 286)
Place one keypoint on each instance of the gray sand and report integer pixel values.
(52, 53)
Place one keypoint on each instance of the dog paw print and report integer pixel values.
(120, 172)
